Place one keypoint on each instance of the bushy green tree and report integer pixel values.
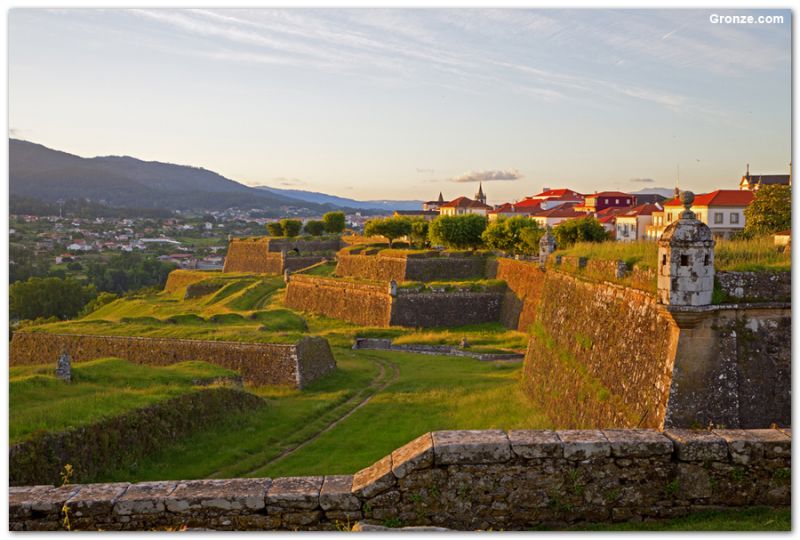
(314, 227)
(128, 272)
(275, 228)
(516, 236)
(291, 227)
(586, 229)
(458, 232)
(390, 228)
(48, 297)
(334, 222)
(770, 211)
(419, 233)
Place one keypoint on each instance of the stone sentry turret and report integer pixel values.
(686, 260)
(547, 245)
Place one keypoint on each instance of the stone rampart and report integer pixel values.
(180, 279)
(525, 281)
(269, 255)
(430, 309)
(752, 287)
(368, 304)
(293, 364)
(434, 266)
(121, 440)
(466, 480)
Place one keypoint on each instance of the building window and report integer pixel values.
(669, 217)
(718, 218)
(699, 216)
(606, 201)
(706, 260)
(734, 218)
(684, 260)
(616, 201)
(663, 260)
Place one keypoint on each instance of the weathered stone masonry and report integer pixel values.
(293, 364)
(458, 479)
(441, 267)
(272, 256)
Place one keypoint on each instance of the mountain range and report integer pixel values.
(48, 175)
(324, 198)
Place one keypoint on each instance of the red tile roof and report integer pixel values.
(465, 202)
(642, 210)
(609, 194)
(720, 197)
(528, 203)
(562, 210)
(559, 193)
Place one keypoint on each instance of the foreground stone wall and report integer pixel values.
(293, 364)
(466, 480)
(121, 440)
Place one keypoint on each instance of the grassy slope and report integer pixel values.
(430, 393)
(99, 388)
(744, 519)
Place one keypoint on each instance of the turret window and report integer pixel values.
(684, 260)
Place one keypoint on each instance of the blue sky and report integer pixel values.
(379, 103)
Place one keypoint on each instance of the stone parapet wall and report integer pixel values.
(121, 440)
(303, 244)
(754, 287)
(179, 279)
(525, 281)
(268, 255)
(258, 363)
(372, 267)
(466, 480)
(447, 308)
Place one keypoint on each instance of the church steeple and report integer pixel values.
(479, 196)
(441, 199)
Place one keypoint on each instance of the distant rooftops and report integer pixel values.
(465, 202)
(720, 197)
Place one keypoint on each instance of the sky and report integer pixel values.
(405, 103)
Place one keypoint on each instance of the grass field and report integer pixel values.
(754, 255)
(744, 519)
(99, 389)
(408, 395)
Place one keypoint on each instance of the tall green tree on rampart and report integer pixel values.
(334, 222)
(516, 236)
(48, 297)
(770, 211)
(586, 229)
(390, 228)
(458, 232)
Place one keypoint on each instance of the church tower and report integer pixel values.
(479, 196)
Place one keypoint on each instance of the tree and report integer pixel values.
(586, 229)
(419, 233)
(770, 211)
(291, 227)
(390, 228)
(334, 222)
(516, 236)
(48, 297)
(458, 232)
(275, 228)
(127, 272)
(315, 227)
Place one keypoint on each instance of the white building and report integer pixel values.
(632, 225)
(722, 210)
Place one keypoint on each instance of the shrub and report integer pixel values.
(458, 232)
(770, 211)
(419, 233)
(275, 228)
(314, 227)
(291, 227)
(334, 222)
(48, 297)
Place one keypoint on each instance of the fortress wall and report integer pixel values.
(443, 267)
(371, 267)
(451, 308)
(525, 281)
(755, 286)
(467, 480)
(121, 440)
(258, 363)
(606, 350)
(252, 256)
(368, 304)
(303, 244)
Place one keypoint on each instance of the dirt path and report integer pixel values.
(388, 373)
(392, 378)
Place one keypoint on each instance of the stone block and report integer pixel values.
(239, 494)
(776, 443)
(743, 447)
(462, 447)
(533, 444)
(96, 499)
(698, 445)
(637, 442)
(418, 454)
(144, 498)
(24, 500)
(336, 494)
(295, 492)
(584, 444)
(375, 479)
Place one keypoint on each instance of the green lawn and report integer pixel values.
(744, 519)
(99, 389)
(409, 395)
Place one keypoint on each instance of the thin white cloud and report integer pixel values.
(487, 176)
